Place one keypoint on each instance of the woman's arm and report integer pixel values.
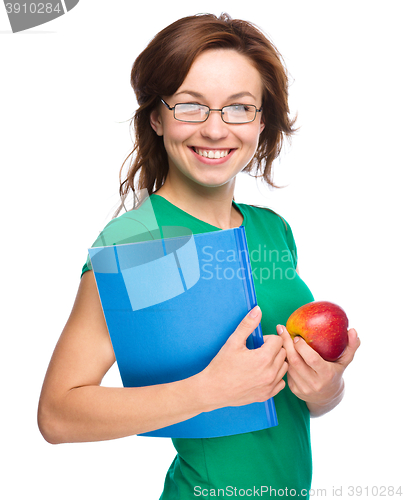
(74, 407)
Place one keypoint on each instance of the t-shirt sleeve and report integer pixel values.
(124, 229)
(287, 234)
(87, 266)
(106, 237)
(291, 243)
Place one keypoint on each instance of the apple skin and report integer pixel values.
(323, 325)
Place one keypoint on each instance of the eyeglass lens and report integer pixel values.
(237, 113)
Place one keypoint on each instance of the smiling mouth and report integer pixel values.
(212, 153)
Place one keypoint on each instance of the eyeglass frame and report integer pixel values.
(209, 110)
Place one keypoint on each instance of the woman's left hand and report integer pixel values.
(317, 382)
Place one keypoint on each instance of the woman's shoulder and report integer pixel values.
(129, 227)
(265, 220)
(265, 214)
(132, 226)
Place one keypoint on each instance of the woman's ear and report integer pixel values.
(156, 122)
(262, 124)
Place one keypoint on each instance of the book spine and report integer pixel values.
(251, 297)
(245, 264)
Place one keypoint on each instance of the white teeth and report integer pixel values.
(212, 154)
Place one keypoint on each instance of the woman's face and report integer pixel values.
(217, 78)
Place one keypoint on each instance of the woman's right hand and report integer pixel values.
(237, 375)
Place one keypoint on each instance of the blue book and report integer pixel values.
(170, 304)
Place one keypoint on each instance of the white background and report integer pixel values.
(65, 102)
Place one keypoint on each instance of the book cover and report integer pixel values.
(170, 304)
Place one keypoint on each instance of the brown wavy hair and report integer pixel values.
(161, 69)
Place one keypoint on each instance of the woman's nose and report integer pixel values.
(214, 127)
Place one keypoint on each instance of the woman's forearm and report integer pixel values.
(95, 413)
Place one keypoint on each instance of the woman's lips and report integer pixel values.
(210, 156)
(212, 153)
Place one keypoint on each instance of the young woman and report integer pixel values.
(212, 96)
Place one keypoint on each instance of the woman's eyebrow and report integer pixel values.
(197, 95)
(190, 92)
(242, 94)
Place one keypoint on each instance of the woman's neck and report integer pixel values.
(212, 205)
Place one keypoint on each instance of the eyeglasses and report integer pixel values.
(199, 113)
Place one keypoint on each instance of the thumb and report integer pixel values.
(247, 326)
(352, 347)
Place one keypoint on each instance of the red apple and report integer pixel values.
(323, 325)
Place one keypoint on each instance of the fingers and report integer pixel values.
(311, 357)
(247, 326)
(310, 377)
(239, 376)
(273, 347)
(279, 386)
(352, 347)
(286, 338)
(277, 365)
(279, 362)
(299, 354)
(288, 344)
(275, 371)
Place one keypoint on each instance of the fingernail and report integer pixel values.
(279, 329)
(296, 339)
(254, 312)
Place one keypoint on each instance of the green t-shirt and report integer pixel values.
(267, 463)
